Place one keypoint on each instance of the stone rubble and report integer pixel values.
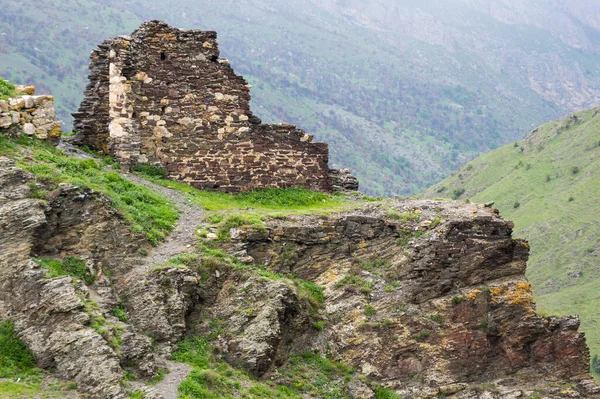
(29, 114)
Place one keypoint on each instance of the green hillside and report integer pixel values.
(549, 185)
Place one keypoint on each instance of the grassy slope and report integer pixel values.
(548, 185)
(145, 210)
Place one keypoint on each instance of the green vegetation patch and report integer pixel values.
(19, 375)
(212, 378)
(386, 393)
(70, 266)
(7, 89)
(145, 210)
(286, 200)
(15, 360)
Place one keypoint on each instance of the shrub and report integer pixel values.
(319, 325)
(457, 193)
(7, 89)
(457, 300)
(369, 310)
(421, 335)
(120, 314)
(386, 393)
(516, 204)
(575, 170)
(596, 364)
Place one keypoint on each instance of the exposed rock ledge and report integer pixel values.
(423, 297)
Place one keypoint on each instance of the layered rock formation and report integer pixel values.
(28, 114)
(164, 97)
(426, 298)
(67, 324)
(422, 297)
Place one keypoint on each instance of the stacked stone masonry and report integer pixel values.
(29, 114)
(164, 97)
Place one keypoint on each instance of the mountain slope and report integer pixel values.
(404, 92)
(548, 184)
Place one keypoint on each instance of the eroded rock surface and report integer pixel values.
(428, 298)
(422, 297)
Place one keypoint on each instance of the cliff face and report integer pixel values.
(421, 297)
(428, 298)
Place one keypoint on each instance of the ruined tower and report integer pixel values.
(164, 97)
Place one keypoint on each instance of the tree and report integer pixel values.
(596, 364)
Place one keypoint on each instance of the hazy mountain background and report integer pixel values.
(404, 91)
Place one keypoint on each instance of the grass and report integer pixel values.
(70, 266)
(554, 204)
(305, 374)
(311, 295)
(146, 211)
(19, 375)
(267, 201)
(352, 279)
(15, 360)
(386, 393)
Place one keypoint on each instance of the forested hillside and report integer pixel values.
(403, 92)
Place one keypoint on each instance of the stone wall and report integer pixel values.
(29, 114)
(164, 97)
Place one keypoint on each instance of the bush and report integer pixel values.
(575, 170)
(421, 335)
(596, 364)
(120, 314)
(516, 204)
(457, 193)
(386, 393)
(457, 300)
(7, 89)
(369, 310)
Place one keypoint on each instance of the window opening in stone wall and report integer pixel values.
(163, 56)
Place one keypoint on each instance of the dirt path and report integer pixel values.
(169, 385)
(181, 240)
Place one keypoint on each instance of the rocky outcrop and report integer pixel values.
(256, 320)
(49, 313)
(69, 326)
(29, 114)
(428, 299)
(425, 298)
(164, 97)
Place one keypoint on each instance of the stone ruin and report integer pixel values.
(164, 97)
(26, 113)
